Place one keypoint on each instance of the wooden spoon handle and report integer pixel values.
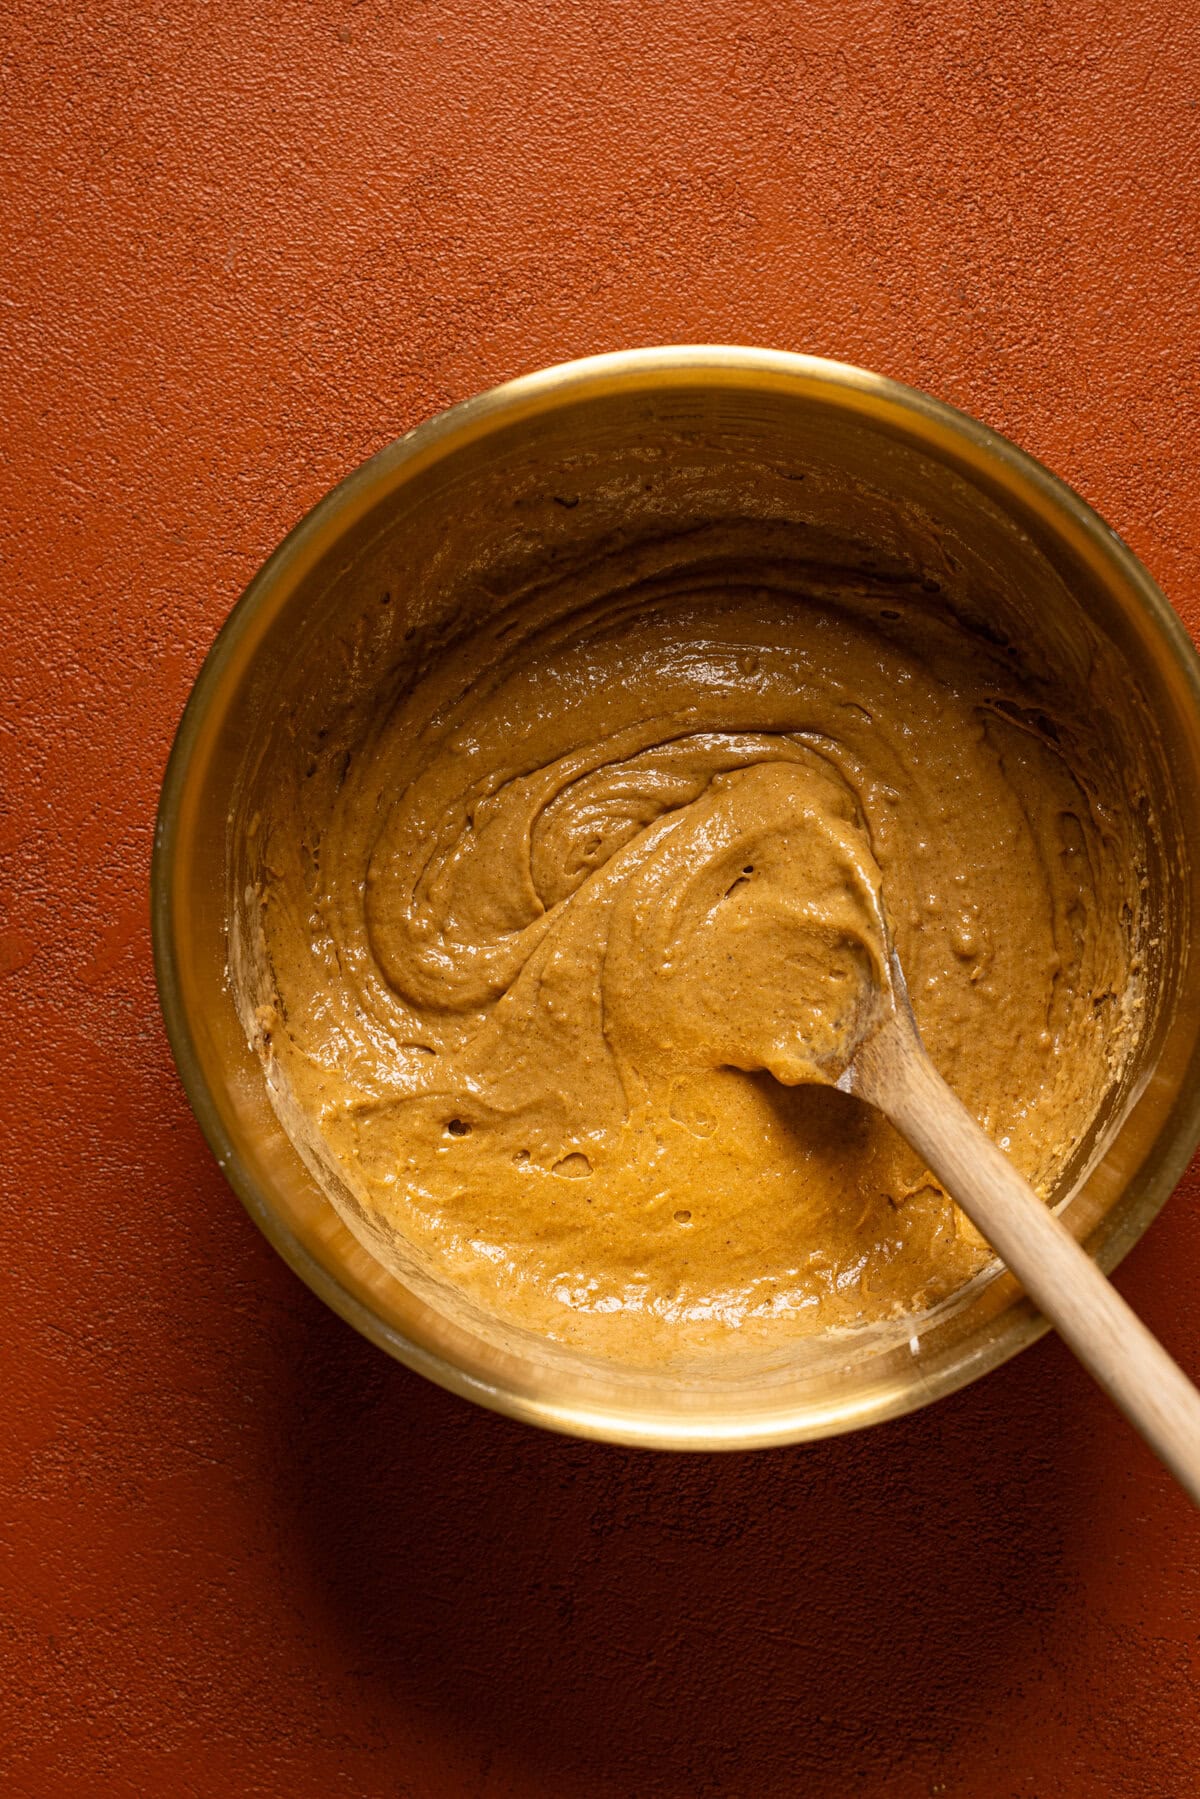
(893, 1072)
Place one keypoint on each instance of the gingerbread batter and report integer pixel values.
(594, 900)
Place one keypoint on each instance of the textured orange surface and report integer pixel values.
(243, 1553)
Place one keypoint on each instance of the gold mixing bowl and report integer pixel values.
(655, 441)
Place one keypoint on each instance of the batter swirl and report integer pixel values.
(540, 975)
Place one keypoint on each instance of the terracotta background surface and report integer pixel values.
(243, 1553)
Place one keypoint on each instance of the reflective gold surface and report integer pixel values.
(432, 517)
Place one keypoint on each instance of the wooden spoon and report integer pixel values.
(891, 1070)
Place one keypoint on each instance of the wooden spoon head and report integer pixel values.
(889, 1028)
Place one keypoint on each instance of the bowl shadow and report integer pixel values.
(616, 1621)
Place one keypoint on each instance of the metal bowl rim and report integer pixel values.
(528, 395)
